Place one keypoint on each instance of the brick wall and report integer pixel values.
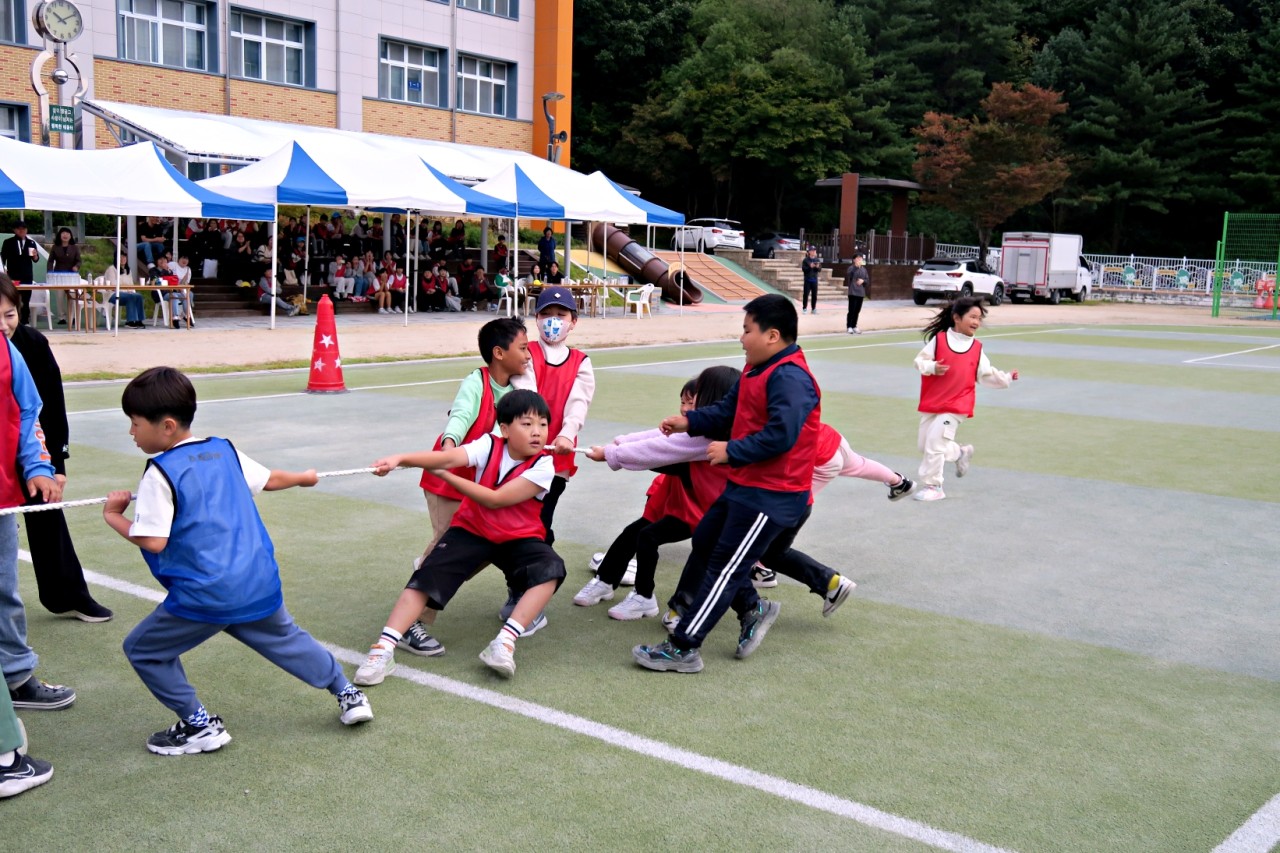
(433, 123)
(283, 103)
(155, 86)
(15, 85)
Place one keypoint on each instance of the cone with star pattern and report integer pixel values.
(326, 363)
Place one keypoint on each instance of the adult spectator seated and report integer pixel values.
(437, 243)
(533, 278)
(457, 239)
(151, 240)
(554, 276)
(265, 296)
(360, 231)
(130, 299)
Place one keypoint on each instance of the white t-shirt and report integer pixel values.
(541, 473)
(153, 511)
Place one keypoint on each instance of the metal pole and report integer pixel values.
(119, 255)
(275, 259)
(306, 255)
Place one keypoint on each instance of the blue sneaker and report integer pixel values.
(665, 657)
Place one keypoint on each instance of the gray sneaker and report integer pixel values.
(665, 657)
(966, 457)
(36, 695)
(417, 641)
(755, 625)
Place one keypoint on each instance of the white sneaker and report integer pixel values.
(634, 607)
(850, 330)
(929, 493)
(836, 597)
(396, 310)
(596, 559)
(593, 593)
(966, 456)
(629, 576)
(354, 709)
(500, 657)
(671, 621)
(380, 663)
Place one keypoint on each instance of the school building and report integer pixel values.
(466, 71)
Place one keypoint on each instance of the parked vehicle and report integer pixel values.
(1038, 265)
(947, 278)
(767, 244)
(706, 235)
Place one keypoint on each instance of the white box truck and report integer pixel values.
(1036, 265)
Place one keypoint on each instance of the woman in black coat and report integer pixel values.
(59, 575)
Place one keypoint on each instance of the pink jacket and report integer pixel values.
(640, 451)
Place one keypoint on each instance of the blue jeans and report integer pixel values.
(362, 285)
(151, 251)
(16, 658)
(156, 644)
(132, 305)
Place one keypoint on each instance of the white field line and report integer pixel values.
(734, 357)
(1229, 354)
(1258, 834)
(686, 759)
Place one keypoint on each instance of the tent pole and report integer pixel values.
(306, 255)
(275, 257)
(409, 238)
(119, 255)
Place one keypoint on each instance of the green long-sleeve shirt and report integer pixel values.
(466, 405)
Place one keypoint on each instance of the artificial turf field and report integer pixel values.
(1078, 650)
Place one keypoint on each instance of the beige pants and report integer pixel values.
(441, 511)
(937, 441)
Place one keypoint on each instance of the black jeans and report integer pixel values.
(641, 539)
(855, 308)
(809, 297)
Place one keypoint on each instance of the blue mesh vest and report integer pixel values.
(219, 565)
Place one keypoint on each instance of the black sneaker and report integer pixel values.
(36, 695)
(91, 611)
(354, 708)
(755, 625)
(763, 578)
(665, 657)
(182, 738)
(900, 491)
(417, 641)
(24, 774)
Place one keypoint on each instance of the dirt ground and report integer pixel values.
(241, 344)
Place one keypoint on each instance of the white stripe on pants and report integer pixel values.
(937, 441)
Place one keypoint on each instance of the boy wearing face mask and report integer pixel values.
(565, 379)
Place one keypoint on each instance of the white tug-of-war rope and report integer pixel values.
(16, 510)
(19, 510)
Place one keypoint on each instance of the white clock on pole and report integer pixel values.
(58, 21)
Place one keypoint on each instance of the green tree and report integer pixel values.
(1255, 124)
(1142, 131)
(988, 167)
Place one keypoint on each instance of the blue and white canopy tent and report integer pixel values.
(349, 173)
(126, 181)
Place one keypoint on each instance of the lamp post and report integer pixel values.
(554, 139)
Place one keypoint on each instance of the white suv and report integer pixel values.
(707, 235)
(947, 278)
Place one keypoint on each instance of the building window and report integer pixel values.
(503, 8)
(165, 32)
(15, 122)
(12, 21)
(482, 86)
(270, 49)
(408, 72)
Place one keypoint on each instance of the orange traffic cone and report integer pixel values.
(326, 363)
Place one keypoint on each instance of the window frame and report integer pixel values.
(22, 116)
(15, 18)
(440, 70)
(306, 46)
(512, 13)
(508, 84)
(128, 22)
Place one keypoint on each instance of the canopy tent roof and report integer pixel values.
(543, 190)
(332, 172)
(126, 181)
(209, 138)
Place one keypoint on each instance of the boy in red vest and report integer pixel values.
(565, 379)
(951, 364)
(498, 522)
(504, 346)
(773, 415)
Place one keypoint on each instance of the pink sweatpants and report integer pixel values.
(846, 463)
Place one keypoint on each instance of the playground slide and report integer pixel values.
(643, 266)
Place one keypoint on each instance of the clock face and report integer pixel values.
(61, 19)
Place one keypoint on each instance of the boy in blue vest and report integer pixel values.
(772, 416)
(202, 538)
(499, 522)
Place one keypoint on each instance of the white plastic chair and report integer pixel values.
(102, 306)
(510, 302)
(161, 311)
(40, 303)
(637, 300)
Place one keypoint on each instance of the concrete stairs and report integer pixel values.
(783, 273)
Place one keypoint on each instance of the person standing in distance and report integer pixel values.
(811, 266)
(857, 280)
(19, 254)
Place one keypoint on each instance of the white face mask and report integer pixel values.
(553, 329)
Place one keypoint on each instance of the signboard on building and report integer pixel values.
(62, 119)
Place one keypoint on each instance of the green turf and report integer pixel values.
(1021, 739)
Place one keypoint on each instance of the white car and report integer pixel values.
(707, 235)
(947, 278)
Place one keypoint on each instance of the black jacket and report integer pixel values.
(35, 351)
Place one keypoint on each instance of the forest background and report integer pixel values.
(736, 107)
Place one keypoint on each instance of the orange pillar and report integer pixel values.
(552, 72)
(848, 213)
